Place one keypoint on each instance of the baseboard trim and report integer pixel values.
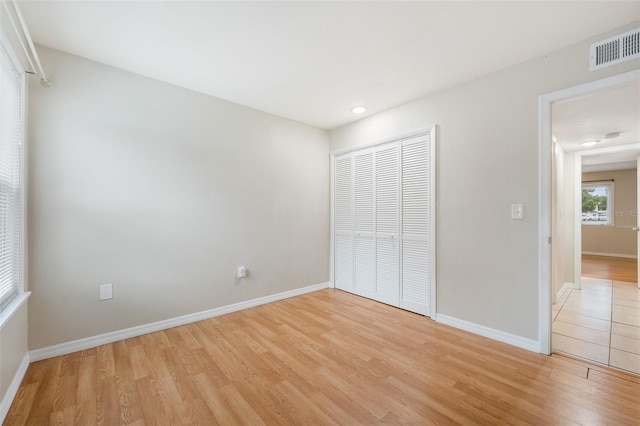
(597, 253)
(491, 333)
(565, 287)
(114, 336)
(12, 390)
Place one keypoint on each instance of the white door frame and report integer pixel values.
(544, 193)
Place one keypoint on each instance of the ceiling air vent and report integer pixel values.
(615, 50)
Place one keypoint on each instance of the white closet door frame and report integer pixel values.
(432, 130)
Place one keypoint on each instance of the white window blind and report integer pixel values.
(10, 185)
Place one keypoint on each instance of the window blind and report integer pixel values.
(10, 185)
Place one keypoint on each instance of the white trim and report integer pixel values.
(491, 333)
(597, 253)
(544, 193)
(433, 231)
(102, 339)
(565, 287)
(24, 169)
(405, 135)
(577, 221)
(13, 307)
(9, 396)
(332, 260)
(544, 227)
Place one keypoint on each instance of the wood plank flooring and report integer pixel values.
(327, 357)
(610, 268)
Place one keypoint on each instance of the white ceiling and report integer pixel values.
(312, 61)
(592, 117)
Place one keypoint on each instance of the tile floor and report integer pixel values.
(600, 323)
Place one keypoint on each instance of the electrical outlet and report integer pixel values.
(242, 272)
(517, 211)
(106, 291)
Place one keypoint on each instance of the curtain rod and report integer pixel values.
(599, 180)
(25, 31)
(15, 30)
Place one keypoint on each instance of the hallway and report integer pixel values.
(601, 322)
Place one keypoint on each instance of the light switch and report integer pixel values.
(106, 291)
(517, 211)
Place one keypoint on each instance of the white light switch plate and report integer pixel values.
(106, 291)
(517, 211)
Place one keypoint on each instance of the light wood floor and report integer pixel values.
(328, 357)
(610, 268)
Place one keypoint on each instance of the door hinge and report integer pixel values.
(549, 240)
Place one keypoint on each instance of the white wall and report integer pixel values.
(163, 192)
(563, 219)
(13, 350)
(487, 159)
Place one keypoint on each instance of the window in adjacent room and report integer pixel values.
(597, 203)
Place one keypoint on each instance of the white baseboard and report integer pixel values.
(114, 336)
(596, 253)
(501, 336)
(565, 287)
(12, 390)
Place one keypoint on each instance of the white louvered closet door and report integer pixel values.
(416, 225)
(364, 208)
(387, 185)
(343, 223)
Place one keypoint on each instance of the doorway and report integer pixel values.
(595, 298)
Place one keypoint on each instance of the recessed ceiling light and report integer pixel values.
(590, 143)
(358, 110)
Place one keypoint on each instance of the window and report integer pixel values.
(10, 179)
(597, 203)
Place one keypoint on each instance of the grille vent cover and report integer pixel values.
(615, 50)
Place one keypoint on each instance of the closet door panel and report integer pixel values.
(415, 276)
(343, 222)
(364, 208)
(416, 211)
(387, 183)
(388, 271)
(365, 260)
(343, 266)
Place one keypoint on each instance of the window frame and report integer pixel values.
(10, 306)
(610, 202)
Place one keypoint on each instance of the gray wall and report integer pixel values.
(163, 192)
(618, 239)
(13, 350)
(487, 264)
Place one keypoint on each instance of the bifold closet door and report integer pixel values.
(387, 213)
(382, 223)
(343, 222)
(364, 214)
(416, 225)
